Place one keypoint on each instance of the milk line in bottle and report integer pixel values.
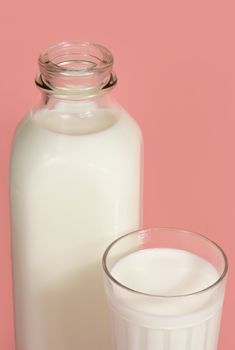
(75, 184)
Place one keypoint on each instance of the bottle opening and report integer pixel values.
(75, 65)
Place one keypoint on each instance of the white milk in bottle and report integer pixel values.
(75, 184)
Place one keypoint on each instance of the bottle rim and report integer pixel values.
(76, 67)
(92, 58)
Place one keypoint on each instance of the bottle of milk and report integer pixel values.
(75, 185)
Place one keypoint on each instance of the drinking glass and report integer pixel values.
(165, 290)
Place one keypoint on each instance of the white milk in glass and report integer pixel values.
(75, 185)
(141, 322)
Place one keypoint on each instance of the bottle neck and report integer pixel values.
(76, 70)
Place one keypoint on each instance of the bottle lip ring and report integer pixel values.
(85, 93)
(93, 58)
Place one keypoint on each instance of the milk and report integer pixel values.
(75, 185)
(145, 322)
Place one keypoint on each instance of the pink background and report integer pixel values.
(176, 66)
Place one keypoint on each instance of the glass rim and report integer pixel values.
(144, 230)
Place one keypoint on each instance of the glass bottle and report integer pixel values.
(75, 184)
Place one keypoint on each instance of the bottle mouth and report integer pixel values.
(75, 65)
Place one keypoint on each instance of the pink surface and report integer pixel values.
(176, 66)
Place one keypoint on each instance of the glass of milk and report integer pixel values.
(165, 290)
